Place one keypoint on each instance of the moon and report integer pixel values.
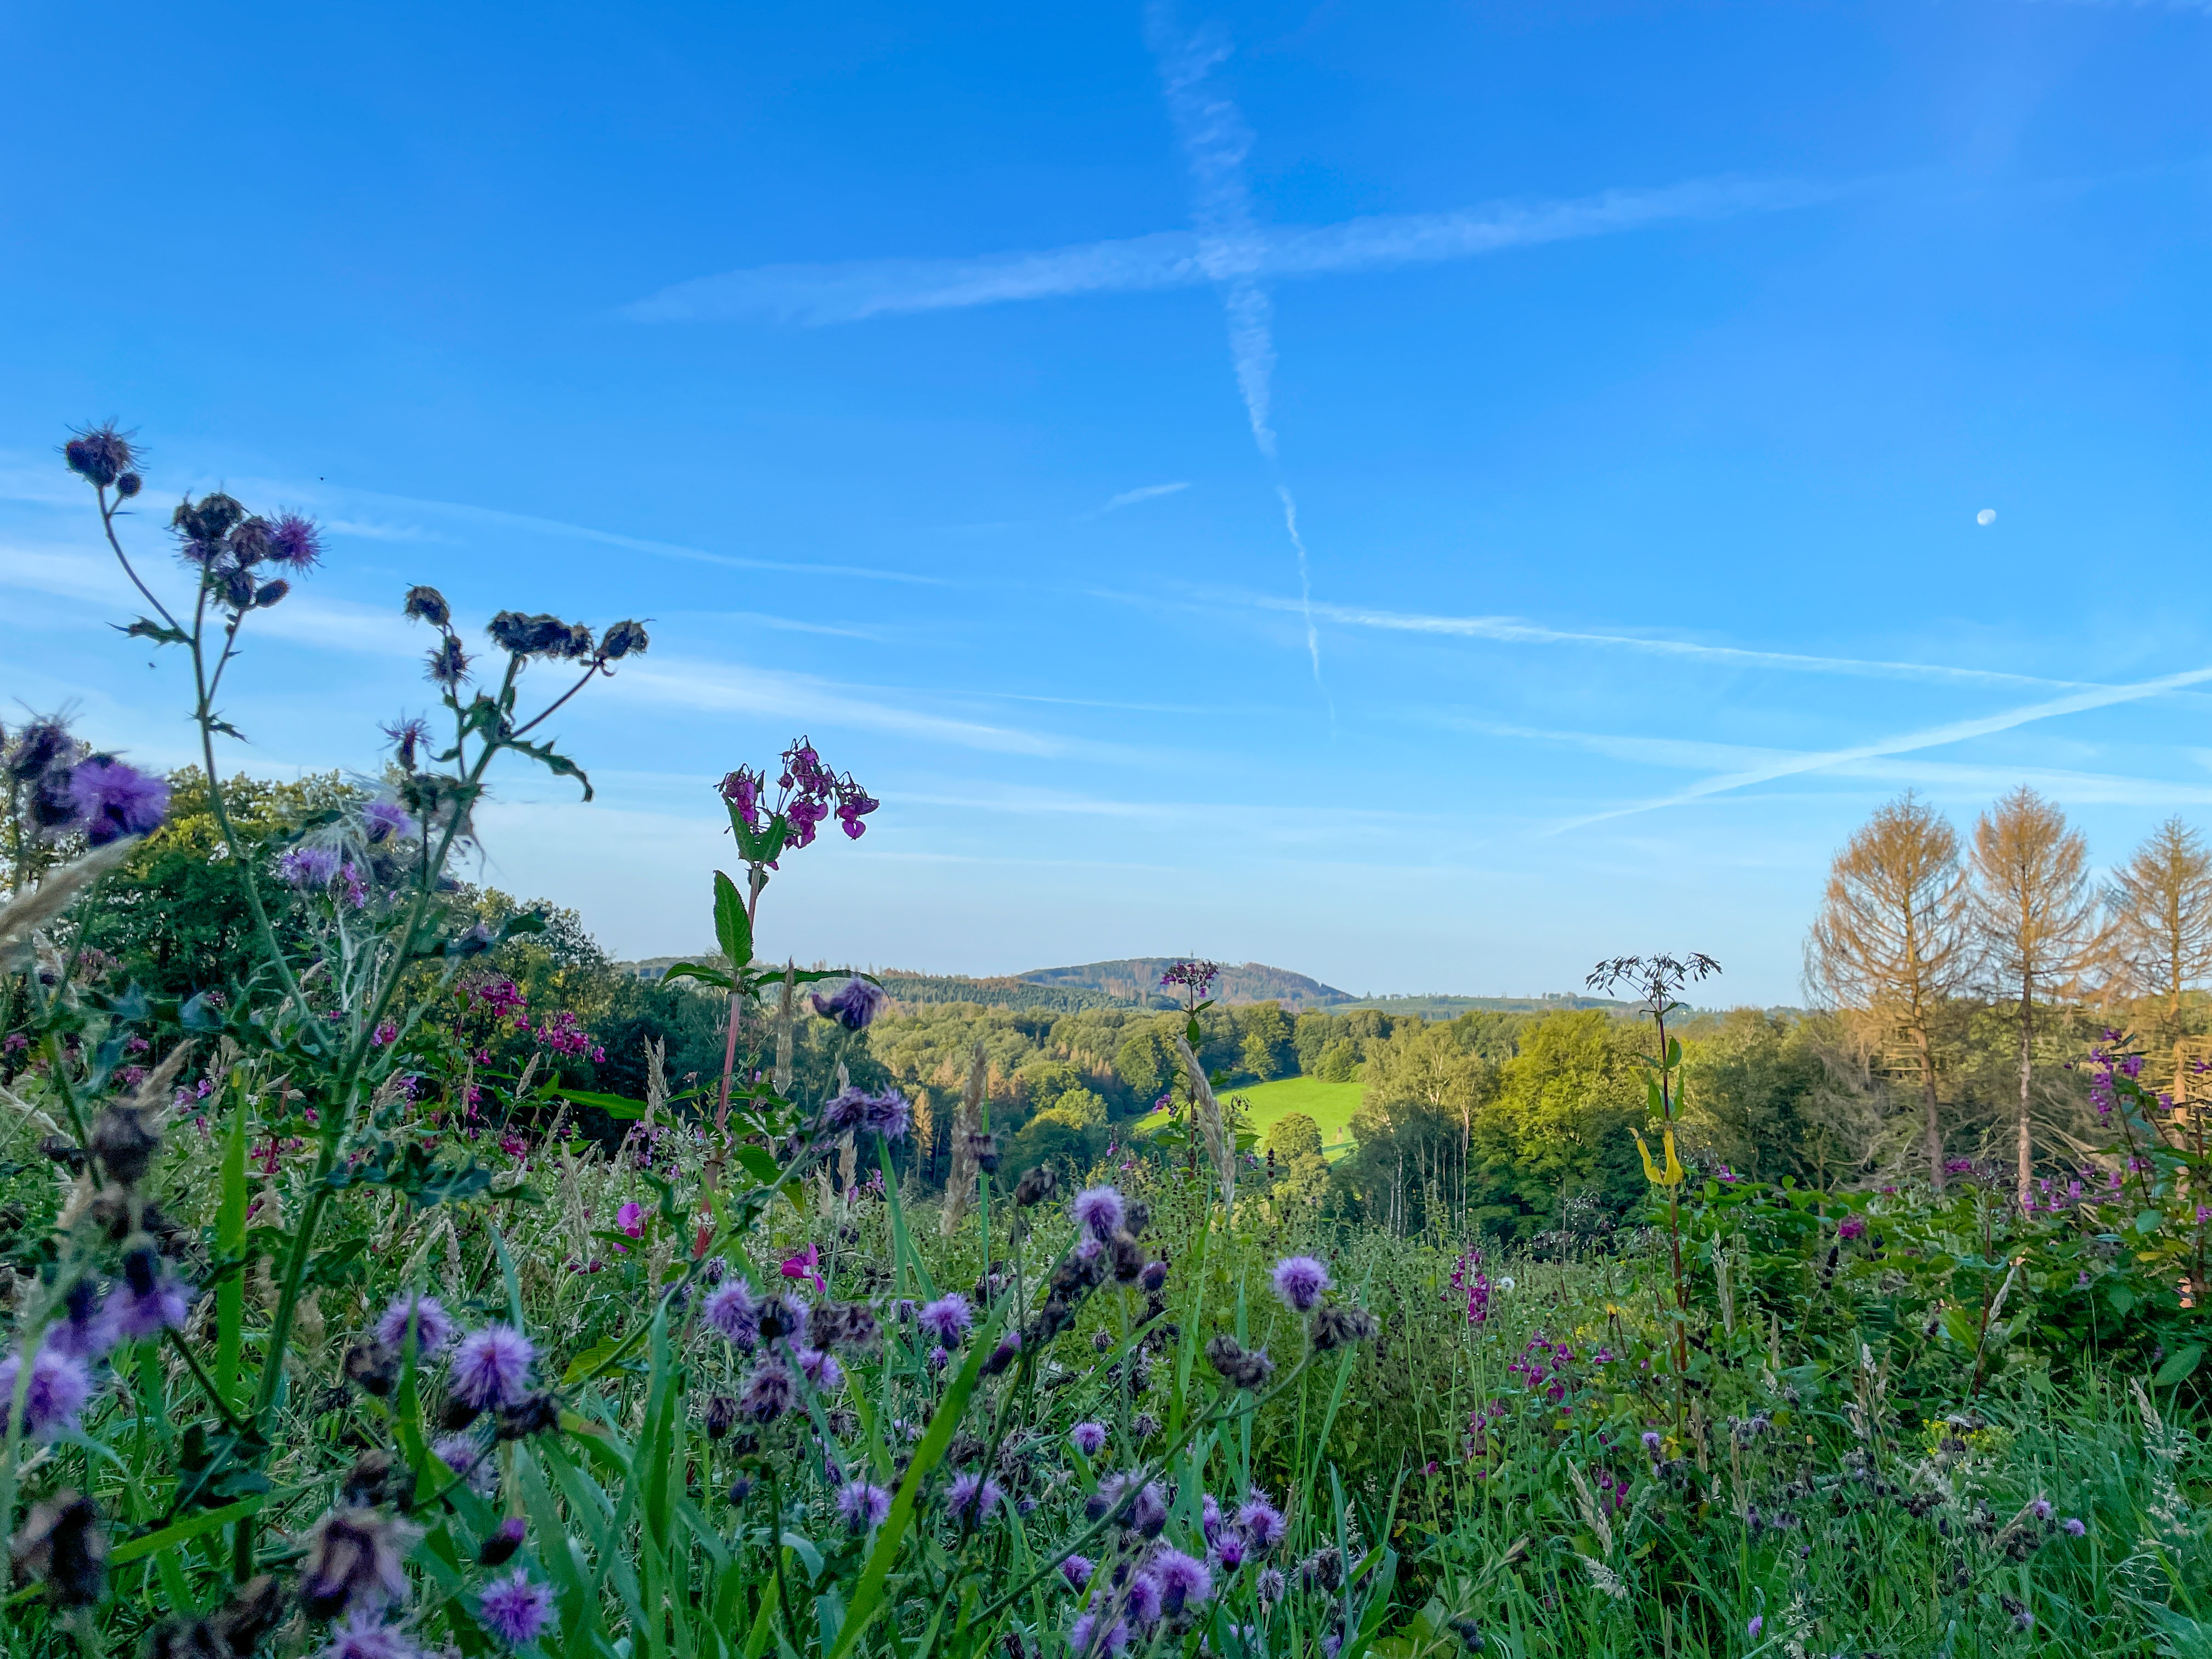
(1986, 517)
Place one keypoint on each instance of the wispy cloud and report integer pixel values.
(851, 291)
(1934, 736)
(1147, 493)
(1513, 630)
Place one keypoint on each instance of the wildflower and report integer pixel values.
(80, 1332)
(515, 1609)
(847, 1325)
(386, 820)
(100, 454)
(372, 1366)
(630, 1218)
(1009, 1349)
(1337, 1328)
(117, 801)
(150, 1299)
(1077, 1570)
(2040, 1508)
(60, 1386)
(2073, 1527)
(491, 1367)
(854, 1005)
(1299, 1281)
(807, 1265)
(537, 1412)
(948, 1318)
(1228, 1551)
(1758, 1623)
(823, 1371)
(433, 1325)
(731, 1309)
(62, 1546)
(1262, 1521)
(448, 663)
(462, 1454)
(353, 1564)
(888, 1114)
(1195, 977)
(1144, 1599)
(782, 1315)
(1239, 1366)
(1154, 1276)
(623, 639)
(1271, 1584)
(1100, 1210)
(1149, 1514)
(863, 1505)
(1089, 1438)
(768, 1393)
(1850, 1227)
(971, 1497)
(1183, 1579)
(1085, 1636)
(308, 866)
(1469, 1634)
(500, 1547)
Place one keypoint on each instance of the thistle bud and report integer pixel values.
(270, 593)
(353, 1563)
(625, 639)
(428, 605)
(207, 520)
(502, 1544)
(63, 1546)
(1036, 1186)
(251, 1613)
(128, 484)
(99, 455)
(125, 1143)
(372, 1366)
(535, 1412)
(721, 1415)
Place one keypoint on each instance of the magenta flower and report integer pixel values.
(1851, 1226)
(731, 1309)
(1262, 1521)
(514, 1609)
(491, 1367)
(820, 1369)
(1184, 1581)
(971, 1497)
(1089, 1438)
(807, 1265)
(1299, 1280)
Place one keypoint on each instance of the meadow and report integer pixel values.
(1330, 1105)
(347, 1317)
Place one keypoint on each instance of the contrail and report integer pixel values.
(1216, 140)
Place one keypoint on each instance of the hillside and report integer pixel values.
(1137, 980)
(998, 992)
(1438, 1006)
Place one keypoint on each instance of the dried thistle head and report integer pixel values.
(63, 1547)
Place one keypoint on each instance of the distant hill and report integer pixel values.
(1449, 1007)
(1137, 980)
(1000, 991)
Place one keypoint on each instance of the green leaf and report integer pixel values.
(2178, 1365)
(2148, 1222)
(613, 1105)
(181, 1531)
(733, 929)
(699, 971)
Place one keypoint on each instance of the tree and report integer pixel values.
(2036, 915)
(2161, 906)
(1892, 944)
(1142, 1064)
(1267, 1040)
(1337, 1063)
(1294, 1135)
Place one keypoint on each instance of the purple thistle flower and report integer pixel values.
(971, 1497)
(768, 1393)
(514, 1609)
(1077, 1570)
(731, 1309)
(863, 1505)
(1758, 1623)
(1299, 1280)
(81, 1334)
(948, 1318)
(854, 1005)
(1089, 1438)
(1150, 1512)
(296, 541)
(2040, 1508)
(56, 1392)
(821, 1369)
(462, 1454)
(491, 1367)
(364, 1636)
(2072, 1526)
(386, 820)
(939, 1357)
(1099, 1209)
(1262, 1521)
(117, 801)
(1081, 1634)
(846, 1109)
(1271, 1584)
(309, 866)
(146, 1301)
(1144, 1599)
(1227, 1552)
(888, 1114)
(434, 1325)
(1184, 1581)
(1851, 1226)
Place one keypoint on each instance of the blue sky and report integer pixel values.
(1425, 494)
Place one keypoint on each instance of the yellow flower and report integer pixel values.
(1673, 1175)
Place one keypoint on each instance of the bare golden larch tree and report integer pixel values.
(1892, 944)
(2036, 917)
(2160, 901)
